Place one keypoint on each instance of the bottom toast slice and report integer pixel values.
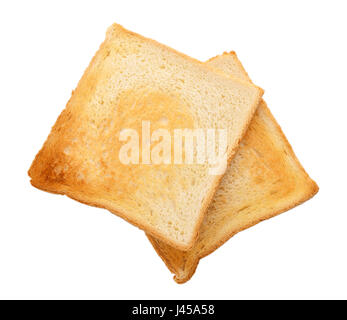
(263, 180)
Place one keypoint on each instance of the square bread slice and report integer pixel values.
(130, 81)
(263, 180)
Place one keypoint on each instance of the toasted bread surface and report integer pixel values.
(132, 79)
(263, 180)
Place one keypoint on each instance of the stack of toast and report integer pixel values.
(138, 90)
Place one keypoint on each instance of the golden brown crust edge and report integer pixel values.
(203, 65)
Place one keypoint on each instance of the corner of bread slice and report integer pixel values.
(312, 187)
(210, 64)
(182, 278)
(185, 274)
(176, 261)
(224, 54)
(113, 29)
(306, 192)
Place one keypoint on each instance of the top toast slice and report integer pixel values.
(132, 80)
(264, 179)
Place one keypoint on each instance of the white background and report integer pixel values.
(54, 247)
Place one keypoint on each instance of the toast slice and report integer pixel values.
(133, 81)
(263, 180)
